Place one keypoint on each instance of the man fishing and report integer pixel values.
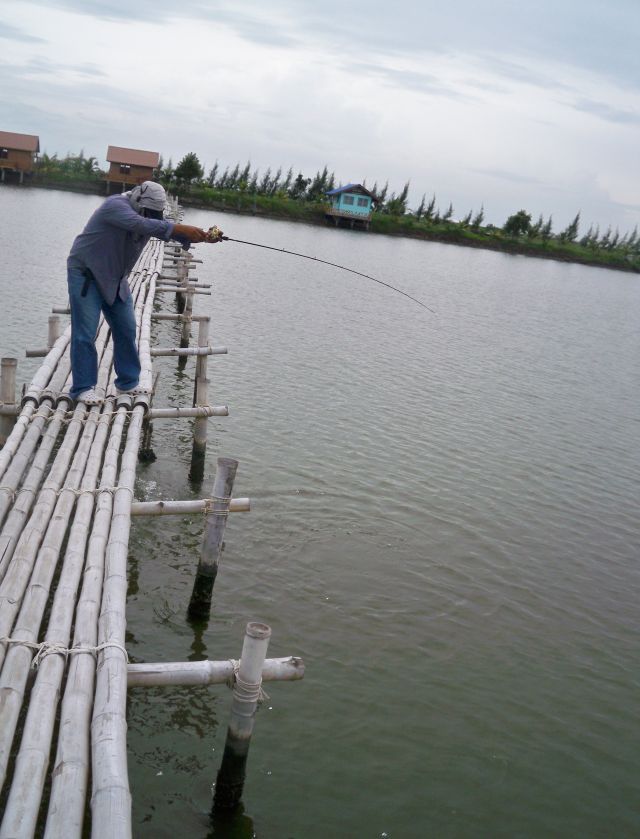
(97, 269)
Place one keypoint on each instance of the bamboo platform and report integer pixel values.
(67, 475)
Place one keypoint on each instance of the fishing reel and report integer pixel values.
(214, 234)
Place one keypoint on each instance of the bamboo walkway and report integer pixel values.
(67, 477)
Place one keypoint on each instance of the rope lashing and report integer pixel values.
(46, 648)
(248, 692)
(216, 499)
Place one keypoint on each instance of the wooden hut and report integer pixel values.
(129, 167)
(352, 204)
(18, 154)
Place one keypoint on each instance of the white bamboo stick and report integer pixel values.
(29, 774)
(164, 288)
(71, 772)
(111, 799)
(27, 626)
(189, 351)
(8, 367)
(199, 411)
(246, 693)
(163, 316)
(71, 767)
(182, 508)
(209, 672)
(55, 330)
(19, 570)
(216, 520)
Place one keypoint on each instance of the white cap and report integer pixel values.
(149, 194)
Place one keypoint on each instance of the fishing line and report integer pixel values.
(215, 233)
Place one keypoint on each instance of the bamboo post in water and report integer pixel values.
(246, 693)
(200, 398)
(215, 523)
(55, 330)
(8, 370)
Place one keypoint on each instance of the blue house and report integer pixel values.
(352, 203)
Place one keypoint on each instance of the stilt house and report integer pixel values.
(129, 167)
(352, 204)
(18, 155)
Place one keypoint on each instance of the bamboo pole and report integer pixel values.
(70, 776)
(246, 693)
(182, 508)
(19, 510)
(32, 760)
(199, 411)
(55, 330)
(111, 799)
(215, 523)
(71, 771)
(27, 626)
(8, 369)
(25, 551)
(164, 316)
(197, 351)
(190, 673)
(165, 288)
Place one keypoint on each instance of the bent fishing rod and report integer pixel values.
(216, 235)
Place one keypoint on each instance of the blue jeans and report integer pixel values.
(85, 315)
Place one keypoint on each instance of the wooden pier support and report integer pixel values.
(246, 694)
(200, 398)
(8, 370)
(215, 523)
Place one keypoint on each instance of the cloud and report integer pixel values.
(258, 25)
(408, 79)
(517, 72)
(607, 112)
(503, 174)
(11, 33)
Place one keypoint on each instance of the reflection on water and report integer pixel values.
(444, 526)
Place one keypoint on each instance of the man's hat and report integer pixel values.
(148, 194)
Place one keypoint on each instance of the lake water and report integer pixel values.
(444, 526)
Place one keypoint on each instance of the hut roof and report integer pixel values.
(19, 142)
(356, 188)
(133, 157)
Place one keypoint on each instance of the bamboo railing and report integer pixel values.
(67, 474)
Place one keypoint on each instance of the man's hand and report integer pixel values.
(214, 234)
(193, 234)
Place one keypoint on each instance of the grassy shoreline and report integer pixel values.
(453, 233)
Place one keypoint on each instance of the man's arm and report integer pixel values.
(186, 231)
(121, 214)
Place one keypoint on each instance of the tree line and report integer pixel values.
(243, 179)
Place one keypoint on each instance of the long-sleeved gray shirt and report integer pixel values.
(111, 242)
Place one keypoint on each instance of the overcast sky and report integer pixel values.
(501, 103)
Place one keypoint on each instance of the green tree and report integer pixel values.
(421, 207)
(299, 186)
(478, 219)
(211, 178)
(189, 169)
(570, 233)
(466, 221)
(534, 230)
(447, 216)
(546, 231)
(517, 224)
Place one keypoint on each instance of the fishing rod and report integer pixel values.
(216, 235)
